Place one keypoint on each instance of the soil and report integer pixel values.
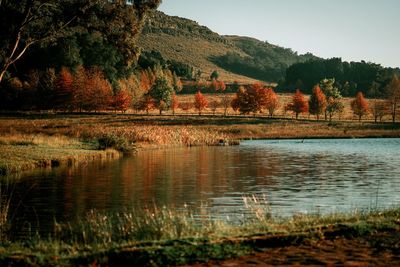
(377, 249)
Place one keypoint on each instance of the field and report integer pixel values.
(47, 140)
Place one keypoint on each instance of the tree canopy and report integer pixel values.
(45, 25)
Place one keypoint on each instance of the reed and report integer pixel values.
(161, 236)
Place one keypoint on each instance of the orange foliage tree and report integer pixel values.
(360, 105)
(98, 91)
(271, 101)
(317, 102)
(145, 81)
(64, 90)
(121, 101)
(298, 104)
(200, 102)
(174, 103)
(248, 100)
(218, 85)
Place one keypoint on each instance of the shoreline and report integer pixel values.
(37, 142)
(377, 231)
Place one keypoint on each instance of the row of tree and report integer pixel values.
(325, 99)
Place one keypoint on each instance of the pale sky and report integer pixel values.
(354, 30)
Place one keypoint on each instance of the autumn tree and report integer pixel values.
(218, 85)
(121, 101)
(174, 103)
(317, 102)
(64, 90)
(146, 103)
(379, 109)
(359, 105)
(247, 100)
(271, 101)
(298, 104)
(98, 91)
(176, 83)
(200, 102)
(393, 96)
(131, 85)
(145, 81)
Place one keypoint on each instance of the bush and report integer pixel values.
(119, 143)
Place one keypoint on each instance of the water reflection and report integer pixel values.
(317, 175)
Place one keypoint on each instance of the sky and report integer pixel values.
(354, 30)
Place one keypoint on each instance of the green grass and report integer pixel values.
(21, 152)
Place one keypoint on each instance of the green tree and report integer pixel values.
(162, 93)
(214, 75)
(26, 23)
(332, 95)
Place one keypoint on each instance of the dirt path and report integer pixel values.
(379, 249)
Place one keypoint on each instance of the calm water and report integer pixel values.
(294, 176)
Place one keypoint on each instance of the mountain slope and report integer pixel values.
(236, 58)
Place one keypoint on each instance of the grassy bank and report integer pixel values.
(21, 152)
(47, 140)
(166, 237)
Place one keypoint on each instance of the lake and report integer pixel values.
(292, 176)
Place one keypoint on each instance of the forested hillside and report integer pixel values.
(235, 58)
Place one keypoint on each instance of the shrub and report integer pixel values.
(119, 143)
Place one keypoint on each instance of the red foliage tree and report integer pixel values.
(200, 102)
(122, 101)
(317, 102)
(98, 91)
(218, 85)
(64, 90)
(298, 104)
(360, 105)
(248, 100)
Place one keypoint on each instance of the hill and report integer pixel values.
(236, 58)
